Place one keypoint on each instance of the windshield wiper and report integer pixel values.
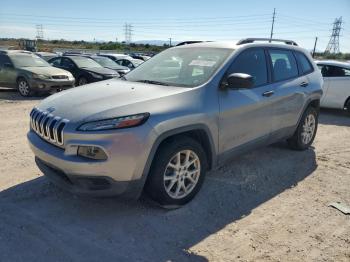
(152, 82)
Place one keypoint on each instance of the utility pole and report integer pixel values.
(170, 41)
(313, 52)
(333, 44)
(273, 23)
(39, 32)
(128, 32)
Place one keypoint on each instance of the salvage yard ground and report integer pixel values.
(268, 205)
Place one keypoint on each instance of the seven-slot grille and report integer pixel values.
(48, 126)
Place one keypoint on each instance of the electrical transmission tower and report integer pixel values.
(128, 32)
(333, 44)
(39, 32)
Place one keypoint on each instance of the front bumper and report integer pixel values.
(121, 174)
(98, 186)
(50, 85)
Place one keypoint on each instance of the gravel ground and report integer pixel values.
(268, 205)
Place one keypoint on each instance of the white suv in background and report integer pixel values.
(336, 93)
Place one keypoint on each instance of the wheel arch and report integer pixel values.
(313, 102)
(200, 133)
(346, 102)
(21, 76)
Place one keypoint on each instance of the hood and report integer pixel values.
(47, 70)
(100, 70)
(112, 98)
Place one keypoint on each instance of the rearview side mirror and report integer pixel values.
(239, 81)
(8, 65)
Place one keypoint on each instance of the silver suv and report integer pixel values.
(162, 126)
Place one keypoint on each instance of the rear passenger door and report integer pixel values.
(289, 90)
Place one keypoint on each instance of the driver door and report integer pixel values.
(246, 114)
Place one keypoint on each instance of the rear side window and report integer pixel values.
(284, 65)
(4, 59)
(251, 62)
(304, 63)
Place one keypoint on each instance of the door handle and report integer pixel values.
(304, 84)
(268, 93)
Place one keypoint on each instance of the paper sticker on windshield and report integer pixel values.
(202, 63)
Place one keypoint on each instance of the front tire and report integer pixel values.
(177, 172)
(347, 106)
(23, 87)
(306, 131)
(82, 81)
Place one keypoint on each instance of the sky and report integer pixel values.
(299, 20)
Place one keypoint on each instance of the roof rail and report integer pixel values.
(252, 40)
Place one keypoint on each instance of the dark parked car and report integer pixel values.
(84, 69)
(110, 64)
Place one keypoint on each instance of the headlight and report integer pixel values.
(70, 76)
(115, 123)
(124, 71)
(40, 76)
(96, 75)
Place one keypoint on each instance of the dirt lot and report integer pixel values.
(269, 205)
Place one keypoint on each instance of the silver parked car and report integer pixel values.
(160, 131)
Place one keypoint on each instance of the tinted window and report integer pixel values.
(85, 62)
(304, 63)
(251, 62)
(55, 62)
(334, 71)
(2, 60)
(284, 65)
(67, 63)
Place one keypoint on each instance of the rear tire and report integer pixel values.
(23, 87)
(177, 172)
(306, 131)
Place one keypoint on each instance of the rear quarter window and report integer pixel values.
(304, 63)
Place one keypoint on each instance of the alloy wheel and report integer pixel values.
(309, 127)
(181, 174)
(23, 88)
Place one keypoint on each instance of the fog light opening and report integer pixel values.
(41, 86)
(92, 152)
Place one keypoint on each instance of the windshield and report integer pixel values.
(104, 61)
(180, 66)
(27, 60)
(85, 62)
